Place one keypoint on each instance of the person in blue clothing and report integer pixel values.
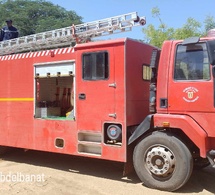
(8, 32)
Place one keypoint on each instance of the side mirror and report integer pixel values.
(211, 51)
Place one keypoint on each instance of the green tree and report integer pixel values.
(192, 28)
(209, 23)
(34, 16)
(156, 36)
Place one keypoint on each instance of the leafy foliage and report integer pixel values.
(209, 23)
(156, 36)
(34, 16)
(190, 29)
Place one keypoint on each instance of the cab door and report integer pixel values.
(191, 90)
(190, 84)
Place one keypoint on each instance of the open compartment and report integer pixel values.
(54, 91)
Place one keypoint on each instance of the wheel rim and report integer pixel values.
(160, 161)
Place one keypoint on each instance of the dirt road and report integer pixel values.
(65, 175)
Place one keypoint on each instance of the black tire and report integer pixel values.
(163, 162)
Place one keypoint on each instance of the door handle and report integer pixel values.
(82, 96)
(112, 85)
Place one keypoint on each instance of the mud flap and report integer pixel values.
(141, 129)
(128, 166)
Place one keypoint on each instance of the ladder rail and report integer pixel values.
(121, 22)
(68, 36)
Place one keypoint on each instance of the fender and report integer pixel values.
(188, 125)
(141, 129)
(184, 122)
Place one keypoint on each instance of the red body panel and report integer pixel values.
(137, 90)
(128, 100)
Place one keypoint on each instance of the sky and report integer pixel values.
(174, 13)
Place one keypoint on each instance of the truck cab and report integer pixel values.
(179, 135)
(185, 88)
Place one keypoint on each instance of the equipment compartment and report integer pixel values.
(54, 93)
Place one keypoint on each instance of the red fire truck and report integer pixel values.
(120, 100)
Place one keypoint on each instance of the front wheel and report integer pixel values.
(163, 162)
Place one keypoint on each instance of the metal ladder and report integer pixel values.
(71, 35)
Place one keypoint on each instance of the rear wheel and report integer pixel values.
(163, 162)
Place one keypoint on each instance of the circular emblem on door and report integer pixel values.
(191, 94)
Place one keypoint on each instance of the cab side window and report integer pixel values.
(95, 66)
(191, 62)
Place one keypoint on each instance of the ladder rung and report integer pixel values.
(66, 37)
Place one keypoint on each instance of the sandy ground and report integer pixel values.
(64, 174)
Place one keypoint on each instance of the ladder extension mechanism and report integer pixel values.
(71, 35)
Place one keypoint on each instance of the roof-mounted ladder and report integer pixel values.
(70, 35)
